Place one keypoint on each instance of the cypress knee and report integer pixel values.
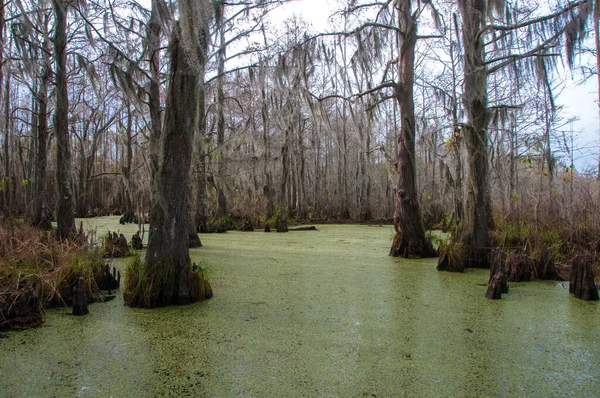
(582, 283)
(80, 305)
(494, 291)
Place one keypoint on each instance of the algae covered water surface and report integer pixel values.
(314, 314)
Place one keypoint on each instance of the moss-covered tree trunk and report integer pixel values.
(410, 238)
(474, 233)
(65, 207)
(170, 279)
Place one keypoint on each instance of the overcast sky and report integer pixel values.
(579, 100)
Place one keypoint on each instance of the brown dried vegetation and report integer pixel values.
(38, 271)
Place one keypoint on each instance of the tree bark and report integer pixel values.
(171, 280)
(82, 194)
(7, 186)
(512, 204)
(267, 188)
(126, 168)
(365, 194)
(283, 199)
(80, 302)
(153, 34)
(87, 159)
(201, 216)
(316, 142)
(458, 170)
(64, 210)
(41, 210)
(220, 116)
(302, 204)
(410, 238)
(477, 222)
(596, 18)
(581, 280)
(3, 96)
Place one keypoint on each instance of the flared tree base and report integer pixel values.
(402, 247)
(161, 288)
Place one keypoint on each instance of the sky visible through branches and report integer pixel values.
(578, 98)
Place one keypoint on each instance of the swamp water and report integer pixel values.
(314, 314)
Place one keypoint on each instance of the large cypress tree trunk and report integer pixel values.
(65, 207)
(477, 222)
(410, 238)
(168, 268)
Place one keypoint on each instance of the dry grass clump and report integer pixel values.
(38, 271)
(451, 256)
(551, 243)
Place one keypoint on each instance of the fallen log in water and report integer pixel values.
(311, 228)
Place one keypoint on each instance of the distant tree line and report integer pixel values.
(430, 114)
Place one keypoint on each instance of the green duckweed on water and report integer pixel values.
(315, 314)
